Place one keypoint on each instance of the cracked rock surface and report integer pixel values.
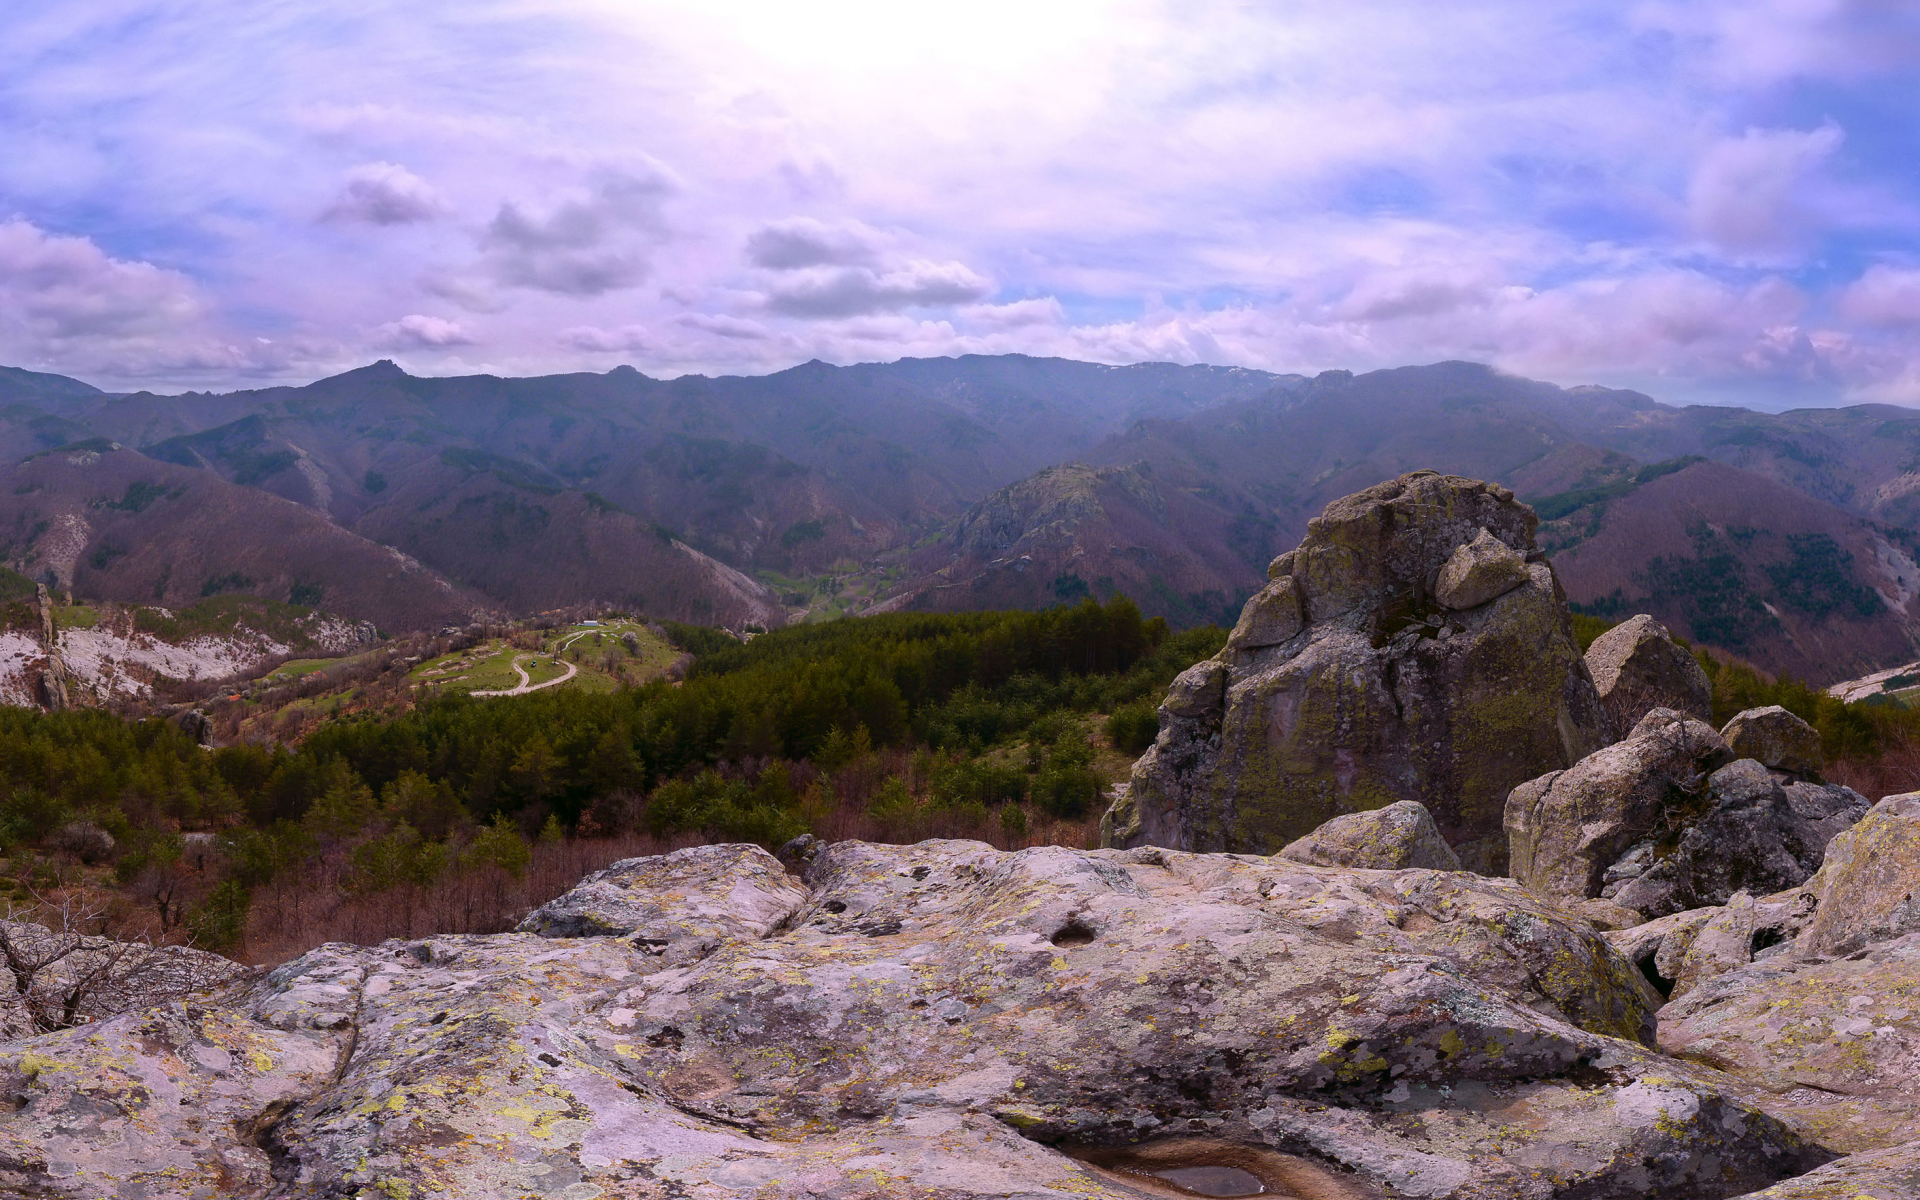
(941, 1020)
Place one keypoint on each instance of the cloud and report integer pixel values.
(418, 332)
(1761, 42)
(1020, 314)
(803, 242)
(585, 246)
(853, 291)
(384, 194)
(1743, 193)
(725, 326)
(630, 338)
(67, 288)
(1888, 297)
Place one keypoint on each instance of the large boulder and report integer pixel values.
(1660, 823)
(1566, 828)
(1415, 646)
(1865, 889)
(1637, 668)
(1754, 835)
(1776, 737)
(1386, 839)
(663, 901)
(934, 1020)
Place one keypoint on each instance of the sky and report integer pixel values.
(1713, 201)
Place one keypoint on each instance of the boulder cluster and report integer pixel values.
(1677, 962)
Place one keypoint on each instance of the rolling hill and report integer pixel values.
(943, 484)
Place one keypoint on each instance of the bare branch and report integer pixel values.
(63, 976)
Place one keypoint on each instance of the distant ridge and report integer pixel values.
(977, 481)
(17, 384)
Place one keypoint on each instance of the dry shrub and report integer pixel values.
(1895, 770)
(293, 915)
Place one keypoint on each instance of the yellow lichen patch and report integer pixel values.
(34, 1065)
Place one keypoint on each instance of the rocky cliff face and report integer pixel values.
(1414, 647)
(941, 1020)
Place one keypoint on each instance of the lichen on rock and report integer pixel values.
(1387, 839)
(941, 1020)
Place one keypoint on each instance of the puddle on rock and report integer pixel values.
(1185, 1167)
(1214, 1181)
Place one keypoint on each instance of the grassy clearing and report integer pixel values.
(75, 616)
(605, 656)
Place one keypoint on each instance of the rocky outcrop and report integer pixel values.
(1755, 835)
(1415, 646)
(941, 1020)
(1777, 738)
(1813, 995)
(1387, 839)
(1661, 823)
(675, 904)
(1865, 889)
(1637, 668)
(1567, 828)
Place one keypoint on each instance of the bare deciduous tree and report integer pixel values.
(64, 976)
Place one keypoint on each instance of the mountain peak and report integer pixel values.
(386, 368)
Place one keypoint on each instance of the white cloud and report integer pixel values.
(66, 288)
(587, 244)
(384, 194)
(852, 291)
(721, 325)
(804, 242)
(1743, 193)
(1019, 314)
(419, 332)
(629, 339)
(1884, 296)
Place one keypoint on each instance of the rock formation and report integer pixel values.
(1777, 738)
(1813, 994)
(1415, 646)
(1638, 668)
(1387, 839)
(934, 1020)
(1662, 822)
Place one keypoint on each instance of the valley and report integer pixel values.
(945, 485)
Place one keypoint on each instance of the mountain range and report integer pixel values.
(947, 484)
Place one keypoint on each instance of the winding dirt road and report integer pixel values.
(526, 683)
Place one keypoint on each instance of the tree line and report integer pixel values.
(915, 721)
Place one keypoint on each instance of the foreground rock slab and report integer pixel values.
(1836, 1043)
(1890, 1174)
(1415, 646)
(941, 1020)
